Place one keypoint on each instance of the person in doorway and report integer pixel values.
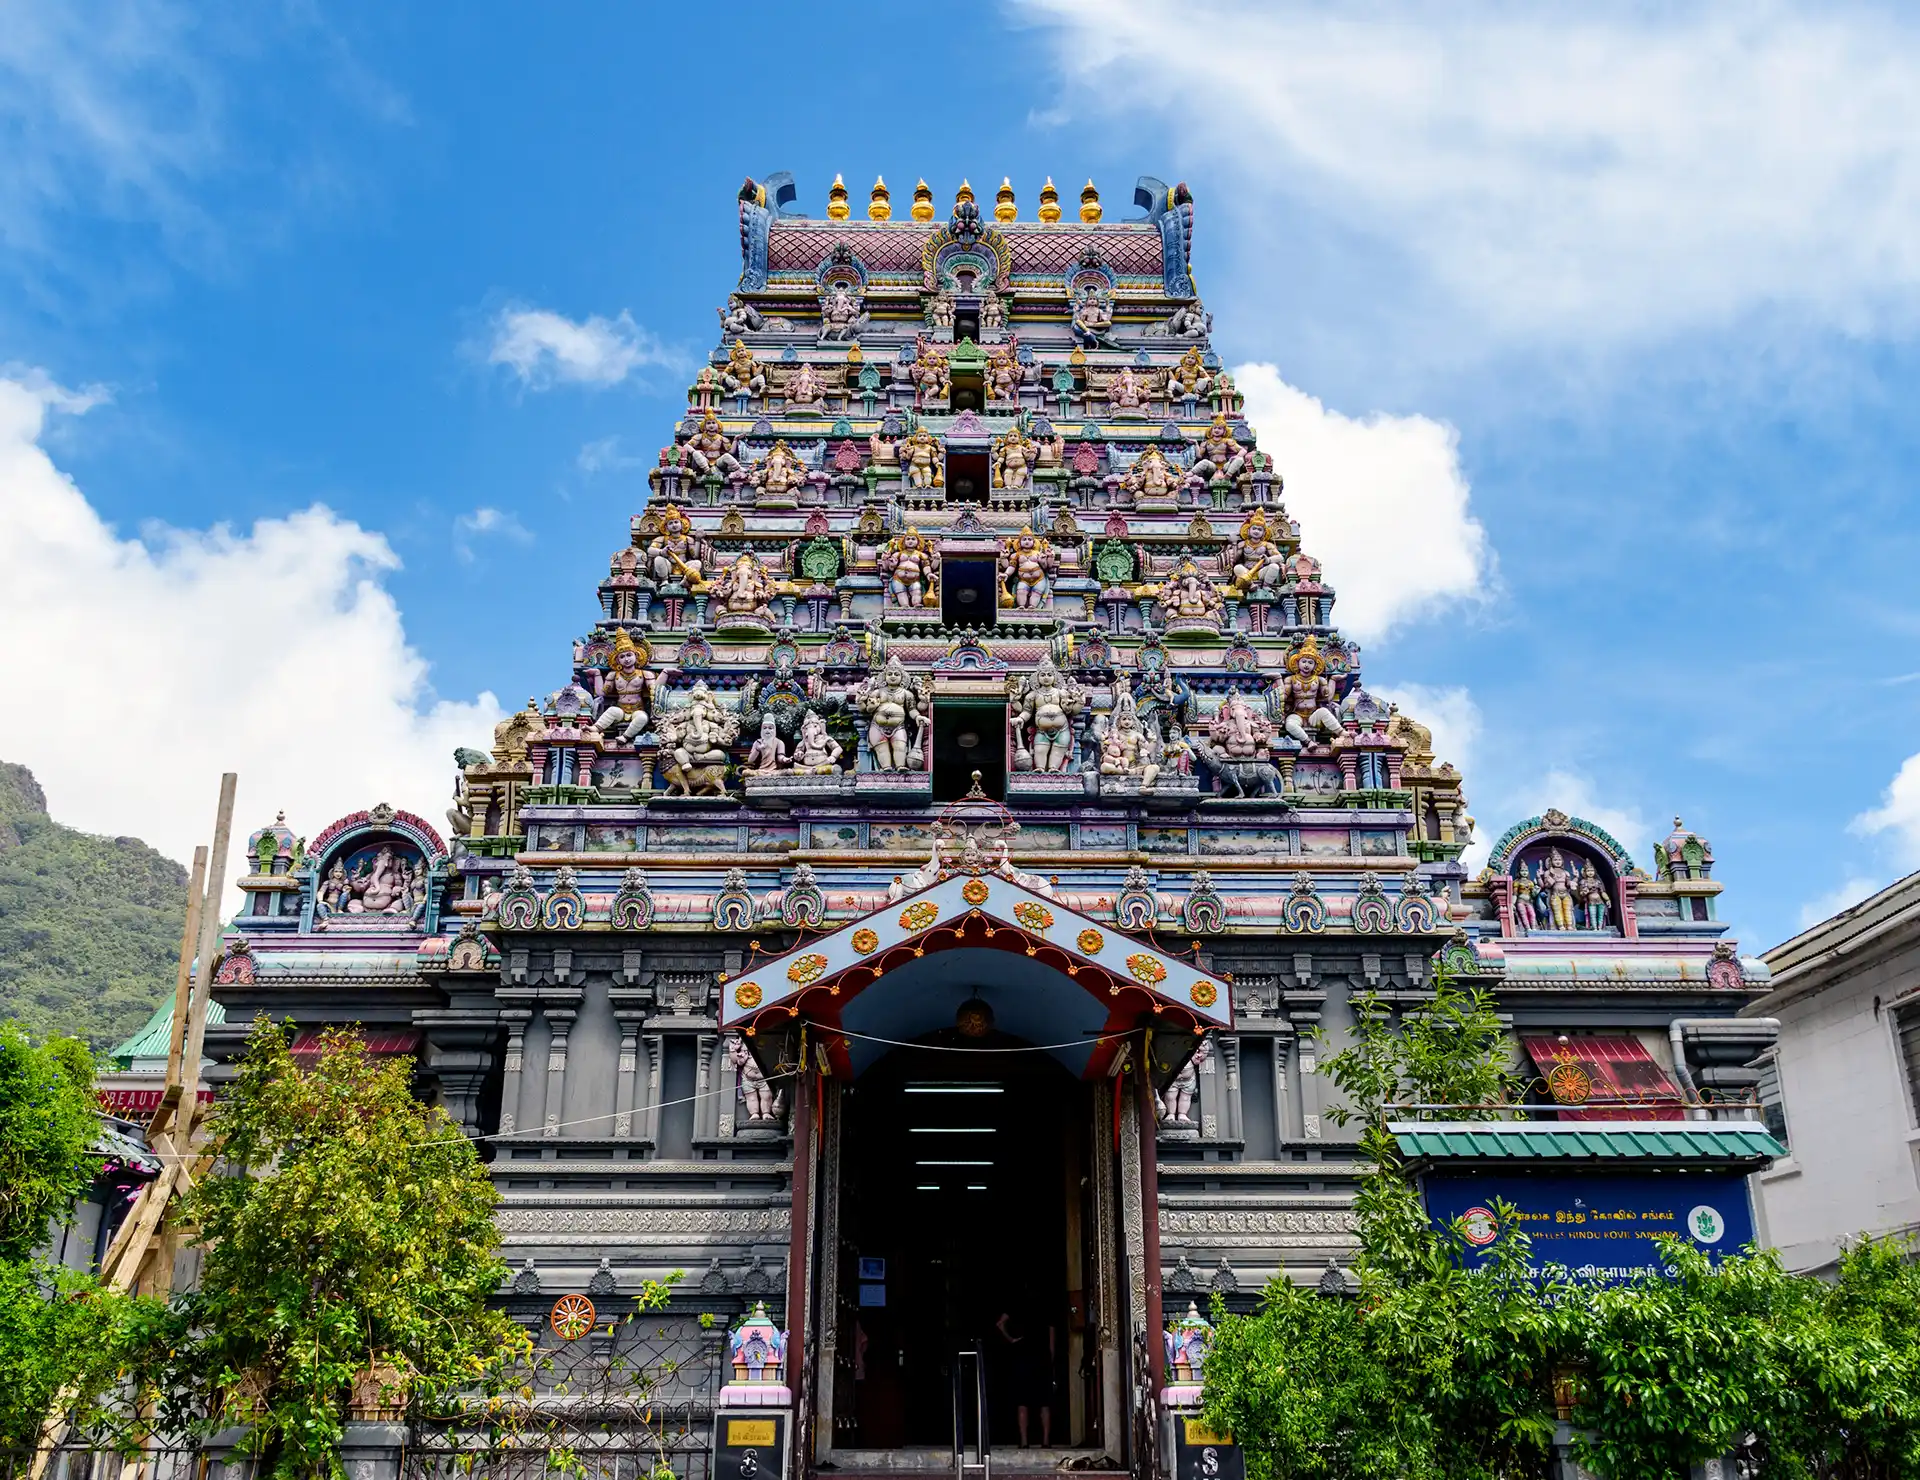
(1026, 1355)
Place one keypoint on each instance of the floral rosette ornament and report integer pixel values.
(1090, 942)
(1204, 994)
(747, 995)
(974, 891)
(919, 916)
(1145, 969)
(865, 941)
(806, 969)
(1033, 916)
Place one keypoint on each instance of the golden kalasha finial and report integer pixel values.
(1090, 203)
(1003, 206)
(1049, 201)
(837, 206)
(880, 203)
(964, 193)
(923, 202)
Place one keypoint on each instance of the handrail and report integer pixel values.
(962, 1466)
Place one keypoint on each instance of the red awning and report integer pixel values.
(1609, 1078)
(381, 1042)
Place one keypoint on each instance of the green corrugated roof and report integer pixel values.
(1664, 1141)
(155, 1036)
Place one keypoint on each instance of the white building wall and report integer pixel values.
(1855, 1162)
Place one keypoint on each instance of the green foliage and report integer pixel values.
(59, 1333)
(356, 1236)
(48, 1121)
(89, 926)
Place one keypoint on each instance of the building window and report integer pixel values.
(1773, 1103)
(1906, 1028)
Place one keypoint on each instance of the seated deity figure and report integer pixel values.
(335, 892)
(1256, 561)
(740, 317)
(626, 691)
(920, 455)
(893, 704)
(842, 315)
(1238, 730)
(884, 451)
(1187, 321)
(1027, 563)
(1188, 598)
(1092, 318)
(674, 555)
(711, 450)
(1151, 477)
(778, 475)
(993, 313)
(941, 310)
(1556, 882)
(768, 751)
(1309, 697)
(1178, 752)
(1220, 455)
(1525, 916)
(744, 375)
(1189, 377)
(744, 589)
(1003, 373)
(1013, 455)
(908, 563)
(695, 736)
(816, 753)
(1041, 710)
(1592, 893)
(1127, 393)
(1123, 747)
(806, 391)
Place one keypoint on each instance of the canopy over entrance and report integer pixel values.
(987, 937)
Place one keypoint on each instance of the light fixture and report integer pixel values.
(951, 1130)
(973, 1018)
(953, 1163)
(976, 1186)
(955, 1089)
(928, 1187)
(966, 595)
(967, 739)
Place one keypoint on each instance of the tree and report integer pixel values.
(48, 1122)
(350, 1242)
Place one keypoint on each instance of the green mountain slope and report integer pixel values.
(89, 926)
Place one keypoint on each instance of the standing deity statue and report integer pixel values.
(1238, 730)
(675, 554)
(756, 1095)
(920, 455)
(744, 589)
(1092, 318)
(695, 737)
(1525, 917)
(1220, 455)
(1256, 561)
(626, 690)
(842, 315)
(744, 375)
(1189, 377)
(909, 563)
(816, 753)
(993, 313)
(1309, 697)
(940, 311)
(1556, 883)
(778, 475)
(1041, 709)
(893, 703)
(768, 751)
(1003, 372)
(711, 450)
(1151, 476)
(1187, 598)
(1592, 893)
(1013, 455)
(805, 391)
(1176, 1103)
(931, 377)
(1027, 563)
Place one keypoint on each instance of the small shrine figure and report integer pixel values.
(744, 589)
(744, 375)
(1092, 318)
(1556, 883)
(1238, 730)
(1256, 561)
(1309, 697)
(756, 1350)
(940, 311)
(779, 475)
(920, 456)
(1003, 373)
(1220, 455)
(1123, 748)
(1151, 477)
(842, 315)
(884, 451)
(695, 737)
(711, 450)
(1592, 894)
(993, 313)
(806, 391)
(1525, 917)
(626, 691)
(1189, 378)
(1179, 752)
(816, 753)
(1127, 394)
(675, 554)
(1188, 1339)
(769, 750)
(757, 1097)
(932, 380)
(1041, 710)
(1176, 1101)
(1013, 455)
(909, 563)
(892, 702)
(1187, 599)
(1027, 563)
(1187, 321)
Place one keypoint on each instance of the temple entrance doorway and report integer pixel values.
(963, 1223)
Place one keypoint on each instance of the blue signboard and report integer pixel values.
(1600, 1227)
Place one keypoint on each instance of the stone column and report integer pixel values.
(560, 1022)
(516, 1020)
(1106, 1275)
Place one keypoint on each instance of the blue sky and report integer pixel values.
(336, 339)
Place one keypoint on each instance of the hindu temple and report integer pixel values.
(956, 830)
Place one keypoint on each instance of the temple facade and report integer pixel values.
(955, 835)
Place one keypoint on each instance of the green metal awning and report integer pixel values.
(1629, 1143)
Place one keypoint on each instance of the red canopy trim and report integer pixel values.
(1609, 1078)
(381, 1042)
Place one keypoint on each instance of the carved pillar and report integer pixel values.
(1106, 1275)
(560, 1021)
(1150, 1259)
(1141, 1373)
(652, 1051)
(826, 1366)
(799, 1260)
(516, 1020)
(1305, 1017)
(625, 1090)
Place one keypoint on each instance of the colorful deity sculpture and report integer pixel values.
(1041, 709)
(1176, 1101)
(779, 476)
(1556, 885)
(1027, 563)
(920, 456)
(626, 690)
(1189, 377)
(1309, 698)
(1127, 393)
(1187, 321)
(993, 313)
(910, 565)
(1013, 456)
(695, 737)
(1592, 894)
(1238, 730)
(1187, 600)
(1188, 1339)
(741, 317)
(931, 377)
(675, 556)
(768, 752)
(710, 450)
(940, 310)
(756, 1351)
(1003, 373)
(744, 375)
(745, 589)
(842, 315)
(1256, 561)
(816, 753)
(1127, 747)
(1525, 916)
(1092, 317)
(899, 709)
(757, 1097)
(805, 390)
(1151, 477)
(1220, 455)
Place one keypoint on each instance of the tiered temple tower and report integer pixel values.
(964, 687)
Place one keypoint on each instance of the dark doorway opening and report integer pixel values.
(967, 474)
(969, 738)
(966, 325)
(962, 1189)
(969, 394)
(969, 592)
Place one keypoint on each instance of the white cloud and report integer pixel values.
(1554, 172)
(606, 455)
(1842, 897)
(1573, 794)
(1897, 818)
(142, 668)
(485, 522)
(545, 349)
(1454, 718)
(1381, 500)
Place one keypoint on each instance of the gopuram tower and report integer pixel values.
(923, 895)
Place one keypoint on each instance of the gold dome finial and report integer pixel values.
(965, 192)
(880, 203)
(1003, 206)
(923, 202)
(837, 206)
(1090, 203)
(1049, 201)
